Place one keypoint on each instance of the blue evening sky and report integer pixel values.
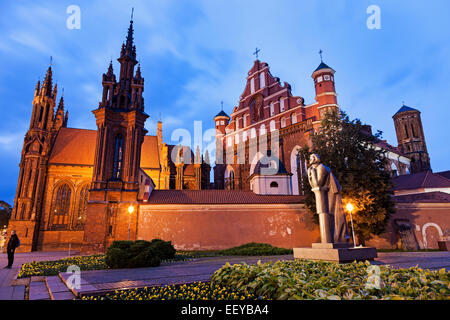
(194, 54)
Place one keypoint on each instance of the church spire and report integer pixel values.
(47, 85)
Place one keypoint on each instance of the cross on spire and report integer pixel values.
(256, 53)
(51, 61)
(320, 53)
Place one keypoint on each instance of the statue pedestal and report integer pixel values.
(339, 252)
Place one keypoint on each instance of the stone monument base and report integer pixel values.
(339, 252)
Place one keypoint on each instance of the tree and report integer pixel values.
(359, 166)
(5, 213)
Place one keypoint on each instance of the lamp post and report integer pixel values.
(350, 209)
(130, 211)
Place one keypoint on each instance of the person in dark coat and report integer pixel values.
(13, 243)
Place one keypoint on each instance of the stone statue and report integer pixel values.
(326, 188)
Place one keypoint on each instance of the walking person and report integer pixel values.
(13, 243)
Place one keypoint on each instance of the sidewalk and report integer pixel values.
(7, 276)
(101, 281)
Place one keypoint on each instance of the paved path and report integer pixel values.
(7, 290)
(425, 260)
(101, 281)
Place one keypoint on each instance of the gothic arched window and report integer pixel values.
(231, 179)
(118, 157)
(272, 126)
(294, 118)
(61, 206)
(82, 207)
(262, 80)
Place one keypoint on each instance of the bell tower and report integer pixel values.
(411, 138)
(33, 165)
(120, 120)
(326, 95)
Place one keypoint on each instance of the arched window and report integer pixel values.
(252, 85)
(244, 136)
(273, 184)
(281, 104)
(245, 120)
(294, 118)
(61, 206)
(283, 122)
(232, 180)
(118, 157)
(262, 130)
(237, 123)
(272, 109)
(80, 218)
(252, 133)
(262, 80)
(236, 138)
(394, 169)
(229, 141)
(272, 126)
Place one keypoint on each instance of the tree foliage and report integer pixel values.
(351, 153)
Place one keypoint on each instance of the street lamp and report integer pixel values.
(130, 211)
(350, 208)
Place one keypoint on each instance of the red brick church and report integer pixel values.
(76, 186)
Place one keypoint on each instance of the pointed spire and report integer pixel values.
(207, 160)
(55, 90)
(66, 119)
(38, 87)
(47, 83)
(61, 104)
(129, 42)
(197, 156)
(110, 69)
(138, 72)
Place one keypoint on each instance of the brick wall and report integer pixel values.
(429, 221)
(209, 227)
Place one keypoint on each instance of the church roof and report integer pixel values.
(424, 197)
(266, 165)
(321, 66)
(420, 180)
(219, 197)
(222, 114)
(405, 108)
(77, 147)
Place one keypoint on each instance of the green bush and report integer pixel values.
(303, 279)
(164, 249)
(255, 249)
(138, 254)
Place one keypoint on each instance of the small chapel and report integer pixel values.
(82, 189)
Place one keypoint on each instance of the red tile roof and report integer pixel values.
(218, 197)
(77, 147)
(425, 197)
(420, 180)
(445, 174)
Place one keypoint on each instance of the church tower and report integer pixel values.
(33, 164)
(326, 96)
(120, 120)
(411, 138)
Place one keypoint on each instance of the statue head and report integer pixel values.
(314, 158)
